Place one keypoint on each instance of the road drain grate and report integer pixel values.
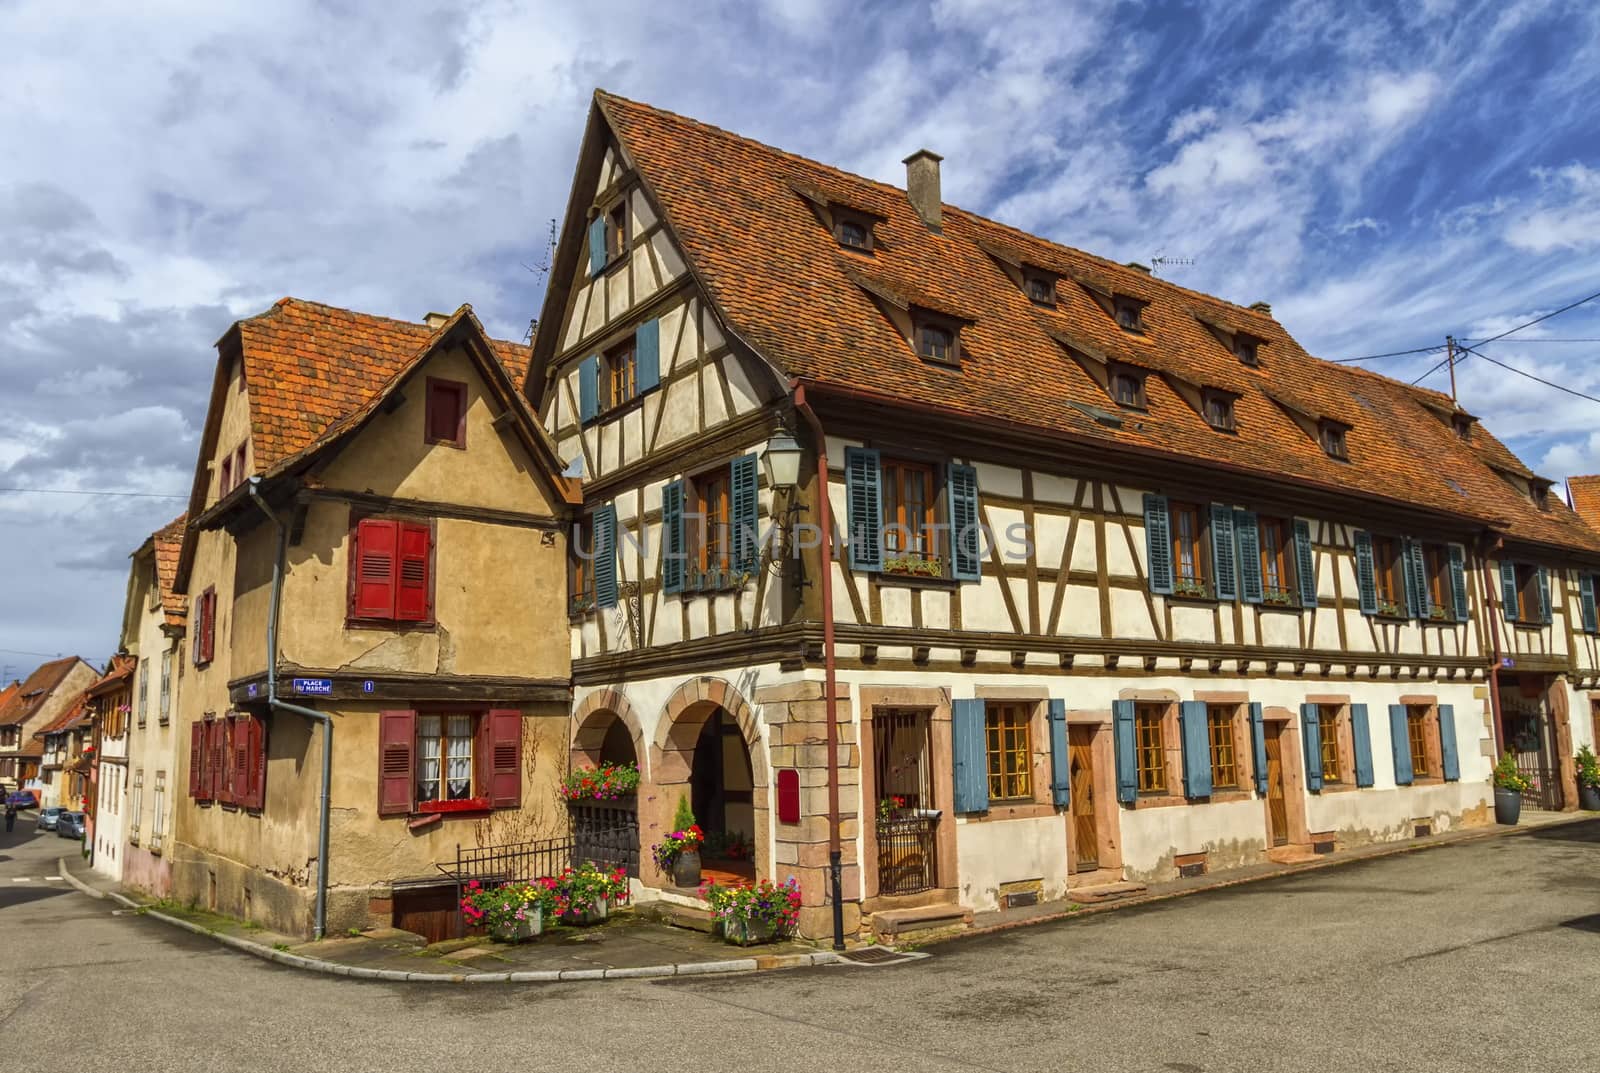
(880, 955)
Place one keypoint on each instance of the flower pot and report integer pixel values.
(686, 869)
(748, 932)
(594, 914)
(519, 931)
(1507, 806)
(1589, 798)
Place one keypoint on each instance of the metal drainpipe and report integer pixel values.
(320, 926)
(1491, 602)
(825, 522)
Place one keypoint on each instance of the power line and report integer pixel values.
(41, 655)
(1391, 354)
(1525, 342)
(1491, 339)
(1530, 376)
(92, 492)
(1537, 320)
(1437, 367)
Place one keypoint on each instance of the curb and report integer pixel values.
(546, 976)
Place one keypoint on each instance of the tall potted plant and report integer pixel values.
(1588, 780)
(1509, 786)
(678, 852)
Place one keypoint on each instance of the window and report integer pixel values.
(1010, 752)
(204, 621)
(1277, 561)
(1188, 562)
(852, 232)
(617, 231)
(910, 531)
(241, 469)
(144, 688)
(621, 381)
(446, 412)
(444, 757)
(1462, 426)
(135, 805)
(1127, 388)
(1219, 727)
(449, 761)
(1130, 313)
(710, 546)
(1385, 565)
(1417, 735)
(580, 566)
(1441, 595)
(165, 714)
(1246, 349)
(391, 571)
(936, 342)
(1332, 437)
(1040, 288)
(1218, 409)
(158, 822)
(225, 479)
(1328, 734)
(1150, 748)
(1539, 491)
(1530, 595)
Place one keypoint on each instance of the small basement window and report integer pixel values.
(1130, 313)
(1332, 436)
(1127, 388)
(1219, 410)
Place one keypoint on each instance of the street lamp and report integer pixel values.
(782, 460)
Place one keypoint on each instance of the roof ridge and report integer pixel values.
(418, 325)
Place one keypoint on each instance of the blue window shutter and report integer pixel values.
(605, 556)
(589, 389)
(1122, 738)
(1458, 580)
(1366, 574)
(1586, 600)
(744, 514)
(1158, 543)
(1447, 743)
(1060, 775)
(597, 245)
(1249, 538)
(863, 479)
(1418, 602)
(1544, 596)
(1508, 589)
(1361, 741)
(1400, 742)
(971, 756)
(1305, 566)
(672, 542)
(1311, 746)
(1224, 569)
(965, 539)
(1196, 749)
(1258, 746)
(647, 356)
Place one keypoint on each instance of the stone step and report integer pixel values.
(1291, 854)
(690, 917)
(1104, 892)
(922, 922)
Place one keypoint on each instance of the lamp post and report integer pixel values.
(782, 462)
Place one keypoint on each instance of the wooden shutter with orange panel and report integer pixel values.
(373, 569)
(397, 735)
(414, 592)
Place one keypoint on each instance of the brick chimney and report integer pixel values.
(1261, 307)
(922, 187)
(436, 320)
(1138, 266)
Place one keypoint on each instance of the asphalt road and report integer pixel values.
(1476, 957)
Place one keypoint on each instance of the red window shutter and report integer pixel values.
(217, 760)
(446, 414)
(197, 762)
(397, 734)
(504, 787)
(258, 763)
(208, 625)
(241, 759)
(414, 600)
(373, 561)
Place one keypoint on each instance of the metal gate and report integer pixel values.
(907, 822)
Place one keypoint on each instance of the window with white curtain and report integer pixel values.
(444, 757)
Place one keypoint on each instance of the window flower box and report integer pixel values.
(580, 605)
(1279, 599)
(1438, 614)
(1195, 589)
(1390, 610)
(915, 566)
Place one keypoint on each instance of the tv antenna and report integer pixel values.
(542, 272)
(1160, 261)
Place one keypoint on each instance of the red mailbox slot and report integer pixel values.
(788, 796)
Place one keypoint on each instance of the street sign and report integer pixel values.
(368, 686)
(251, 690)
(321, 687)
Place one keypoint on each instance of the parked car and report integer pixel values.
(22, 799)
(72, 824)
(48, 817)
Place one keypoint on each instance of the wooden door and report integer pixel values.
(1277, 802)
(1085, 827)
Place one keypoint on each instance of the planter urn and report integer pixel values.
(1507, 806)
(519, 931)
(1589, 798)
(686, 869)
(594, 914)
(749, 932)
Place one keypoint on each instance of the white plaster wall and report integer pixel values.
(992, 853)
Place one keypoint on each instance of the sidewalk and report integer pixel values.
(628, 946)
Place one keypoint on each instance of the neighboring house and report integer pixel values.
(111, 701)
(40, 700)
(1125, 584)
(393, 478)
(152, 633)
(64, 768)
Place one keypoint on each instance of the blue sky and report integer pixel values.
(1383, 175)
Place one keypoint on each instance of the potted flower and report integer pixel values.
(1588, 780)
(584, 895)
(889, 807)
(1509, 786)
(513, 913)
(608, 782)
(758, 913)
(678, 852)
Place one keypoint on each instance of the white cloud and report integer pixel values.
(1567, 217)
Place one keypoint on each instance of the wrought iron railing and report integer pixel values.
(607, 833)
(906, 853)
(1546, 792)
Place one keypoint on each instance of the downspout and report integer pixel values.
(320, 925)
(829, 690)
(1491, 601)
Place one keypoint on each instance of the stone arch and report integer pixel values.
(595, 717)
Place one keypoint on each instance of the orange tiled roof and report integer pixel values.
(120, 671)
(744, 215)
(1585, 492)
(168, 545)
(36, 689)
(76, 712)
(309, 366)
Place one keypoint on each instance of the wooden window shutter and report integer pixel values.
(744, 514)
(1258, 747)
(1508, 590)
(258, 763)
(217, 759)
(1127, 757)
(1196, 749)
(647, 356)
(1366, 574)
(1305, 567)
(208, 625)
(413, 601)
(1311, 746)
(1417, 594)
(504, 787)
(597, 245)
(1400, 744)
(970, 755)
(672, 537)
(1224, 553)
(1586, 603)
(1060, 761)
(966, 544)
(1361, 743)
(863, 479)
(1458, 581)
(243, 769)
(589, 389)
(1158, 543)
(197, 761)
(1449, 757)
(1544, 596)
(1248, 535)
(605, 556)
(372, 561)
(397, 735)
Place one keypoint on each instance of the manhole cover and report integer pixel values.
(880, 955)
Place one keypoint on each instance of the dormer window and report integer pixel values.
(936, 342)
(1539, 490)
(1129, 312)
(1463, 427)
(1331, 433)
(1040, 288)
(1218, 409)
(1246, 349)
(1127, 388)
(852, 230)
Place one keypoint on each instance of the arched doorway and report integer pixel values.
(722, 792)
(606, 731)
